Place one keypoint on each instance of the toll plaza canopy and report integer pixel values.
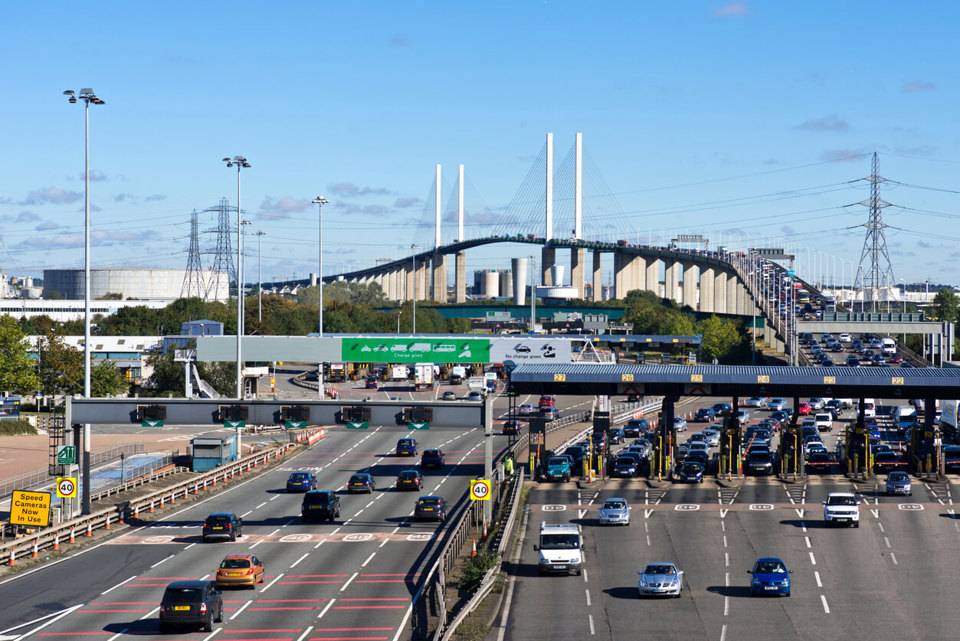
(737, 380)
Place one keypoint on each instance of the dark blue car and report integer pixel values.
(770, 576)
(705, 414)
(301, 482)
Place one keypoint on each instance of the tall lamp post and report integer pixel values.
(320, 201)
(240, 163)
(258, 234)
(87, 96)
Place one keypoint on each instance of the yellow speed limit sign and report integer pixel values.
(66, 487)
(480, 490)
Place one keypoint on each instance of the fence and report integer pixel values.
(41, 476)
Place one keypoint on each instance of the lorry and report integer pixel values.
(423, 376)
(560, 549)
(457, 374)
(399, 372)
(477, 384)
(336, 372)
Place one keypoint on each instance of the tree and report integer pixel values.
(721, 338)
(61, 367)
(106, 380)
(945, 305)
(167, 375)
(17, 370)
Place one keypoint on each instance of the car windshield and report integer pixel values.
(234, 564)
(691, 468)
(559, 542)
(841, 500)
(897, 476)
(404, 442)
(182, 595)
(757, 456)
(358, 478)
(557, 460)
(429, 502)
(770, 567)
(614, 505)
(660, 569)
(218, 520)
(408, 475)
(299, 476)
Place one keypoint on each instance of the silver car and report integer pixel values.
(615, 511)
(898, 482)
(660, 578)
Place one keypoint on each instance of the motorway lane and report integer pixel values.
(369, 555)
(892, 578)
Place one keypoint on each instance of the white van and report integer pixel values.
(888, 346)
(869, 408)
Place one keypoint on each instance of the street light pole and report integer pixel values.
(320, 201)
(240, 162)
(258, 234)
(87, 96)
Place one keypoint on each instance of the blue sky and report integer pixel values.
(745, 121)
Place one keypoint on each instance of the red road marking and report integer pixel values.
(127, 603)
(117, 610)
(287, 607)
(268, 630)
(382, 581)
(349, 629)
(68, 634)
(310, 576)
(390, 598)
(290, 600)
(395, 574)
(366, 607)
(348, 638)
(305, 582)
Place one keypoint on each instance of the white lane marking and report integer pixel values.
(297, 562)
(893, 557)
(240, 609)
(816, 575)
(723, 632)
(807, 539)
(319, 544)
(813, 559)
(880, 525)
(647, 513)
(590, 618)
(726, 559)
(581, 513)
(648, 539)
(162, 561)
(327, 607)
(826, 608)
(246, 513)
(305, 633)
(260, 506)
(150, 613)
(726, 605)
(256, 544)
(800, 512)
(118, 585)
(585, 575)
(369, 558)
(876, 513)
(57, 615)
(267, 586)
(588, 597)
(274, 498)
(349, 581)
(113, 638)
(723, 525)
(803, 526)
(724, 540)
(726, 579)
(370, 503)
(887, 541)
(212, 634)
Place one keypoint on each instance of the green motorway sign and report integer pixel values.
(418, 426)
(416, 350)
(234, 424)
(357, 425)
(66, 455)
(147, 422)
(295, 425)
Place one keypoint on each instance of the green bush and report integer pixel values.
(9, 428)
(475, 567)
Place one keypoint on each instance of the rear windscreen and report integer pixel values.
(182, 595)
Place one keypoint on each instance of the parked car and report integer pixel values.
(192, 603)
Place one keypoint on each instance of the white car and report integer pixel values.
(698, 446)
(712, 435)
(756, 401)
(777, 404)
(812, 443)
(679, 423)
(824, 421)
(615, 511)
(844, 338)
(660, 578)
(841, 508)
(817, 403)
(526, 409)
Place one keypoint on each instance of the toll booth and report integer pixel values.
(210, 453)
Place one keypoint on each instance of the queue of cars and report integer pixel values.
(868, 349)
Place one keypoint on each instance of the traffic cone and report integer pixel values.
(214, 480)
(120, 515)
(73, 532)
(473, 550)
(196, 487)
(89, 528)
(36, 551)
(484, 529)
(136, 512)
(56, 541)
(173, 498)
(161, 502)
(108, 522)
(13, 557)
(151, 505)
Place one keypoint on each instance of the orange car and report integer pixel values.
(240, 569)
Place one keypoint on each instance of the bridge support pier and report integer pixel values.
(578, 257)
(653, 276)
(439, 280)
(423, 280)
(597, 275)
(548, 258)
(690, 278)
(460, 278)
(706, 290)
(731, 292)
(626, 273)
(671, 269)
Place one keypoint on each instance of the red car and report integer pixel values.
(546, 401)
(896, 358)
(804, 409)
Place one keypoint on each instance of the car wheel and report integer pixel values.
(233, 536)
(788, 594)
(219, 618)
(856, 524)
(204, 539)
(208, 624)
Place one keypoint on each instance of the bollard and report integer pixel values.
(73, 532)
(89, 528)
(36, 550)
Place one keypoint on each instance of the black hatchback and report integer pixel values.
(222, 525)
(320, 505)
(194, 603)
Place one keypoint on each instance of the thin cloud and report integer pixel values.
(827, 123)
(787, 230)
(349, 189)
(918, 85)
(155, 197)
(26, 217)
(119, 198)
(370, 210)
(47, 226)
(732, 10)
(51, 195)
(409, 201)
(99, 238)
(842, 155)
(278, 208)
(96, 176)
